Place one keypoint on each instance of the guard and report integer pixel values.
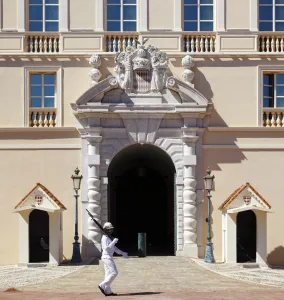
(108, 247)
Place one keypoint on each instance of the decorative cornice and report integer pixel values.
(37, 129)
(236, 129)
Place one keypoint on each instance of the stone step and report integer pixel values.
(250, 266)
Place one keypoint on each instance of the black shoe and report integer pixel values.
(101, 289)
(112, 294)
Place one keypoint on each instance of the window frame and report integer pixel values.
(275, 85)
(28, 71)
(198, 16)
(42, 90)
(121, 16)
(43, 16)
(268, 69)
(273, 16)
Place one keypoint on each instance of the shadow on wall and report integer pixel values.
(276, 257)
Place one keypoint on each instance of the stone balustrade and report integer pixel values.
(118, 43)
(199, 43)
(43, 118)
(273, 117)
(270, 43)
(43, 43)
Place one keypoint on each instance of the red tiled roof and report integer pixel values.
(235, 194)
(46, 191)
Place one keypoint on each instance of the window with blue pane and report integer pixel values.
(42, 90)
(273, 90)
(121, 15)
(198, 15)
(271, 15)
(43, 15)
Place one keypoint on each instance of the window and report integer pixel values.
(271, 15)
(273, 90)
(198, 15)
(121, 15)
(43, 15)
(42, 90)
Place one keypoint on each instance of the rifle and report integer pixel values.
(98, 224)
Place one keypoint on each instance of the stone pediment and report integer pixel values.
(245, 198)
(40, 198)
(142, 78)
(110, 89)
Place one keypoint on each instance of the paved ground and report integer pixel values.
(153, 278)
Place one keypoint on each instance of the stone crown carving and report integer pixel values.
(141, 70)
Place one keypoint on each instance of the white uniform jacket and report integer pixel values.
(108, 247)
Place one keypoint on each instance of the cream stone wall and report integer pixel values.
(233, 168)
(21, 170)
(236, 82)
(158, 20)
(82, 18)
(237, 14)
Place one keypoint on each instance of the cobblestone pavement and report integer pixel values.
(150, 278)
(262, 275)
(13, 276)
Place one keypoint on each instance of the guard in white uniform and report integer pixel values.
(108, 247)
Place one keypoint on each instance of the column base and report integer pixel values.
(190, 250)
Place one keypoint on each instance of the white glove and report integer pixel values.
(115, 240)
(125, 255)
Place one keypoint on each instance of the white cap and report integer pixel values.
(108, 225)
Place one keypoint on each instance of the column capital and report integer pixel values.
(94, 139)
(189, 135)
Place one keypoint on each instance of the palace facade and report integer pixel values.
(142, 96)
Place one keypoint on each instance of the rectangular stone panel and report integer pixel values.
(84, 43)
(164, 43)
(239, 43)
(13, 44)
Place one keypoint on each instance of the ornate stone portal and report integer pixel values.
(143, 104)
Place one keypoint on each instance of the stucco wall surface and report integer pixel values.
(20, 171)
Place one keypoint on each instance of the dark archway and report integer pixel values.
(39, 236)
(141, 198)
(246, 236)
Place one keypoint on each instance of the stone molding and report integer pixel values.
(142, 128)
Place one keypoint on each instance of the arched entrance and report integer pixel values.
(246, 236)
(39, 236)
(141, 198)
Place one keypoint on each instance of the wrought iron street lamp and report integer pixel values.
(76, 256)
(209, 183)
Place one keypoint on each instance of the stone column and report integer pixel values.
(189, 193)
(94, 195)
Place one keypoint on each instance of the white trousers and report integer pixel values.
(110, 274)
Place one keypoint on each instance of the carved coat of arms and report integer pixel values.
(141, 70)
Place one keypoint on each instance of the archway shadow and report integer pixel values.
(141, 199)
(276, 257)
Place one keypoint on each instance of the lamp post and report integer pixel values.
(209, 183)
(76, 256)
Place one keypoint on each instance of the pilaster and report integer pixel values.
(221, 16)
(21, 16)
(253, 15)
(178, 15)
(189, 192)
(143, 15)
(64, 14)
(94, 194)
(99, 15)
